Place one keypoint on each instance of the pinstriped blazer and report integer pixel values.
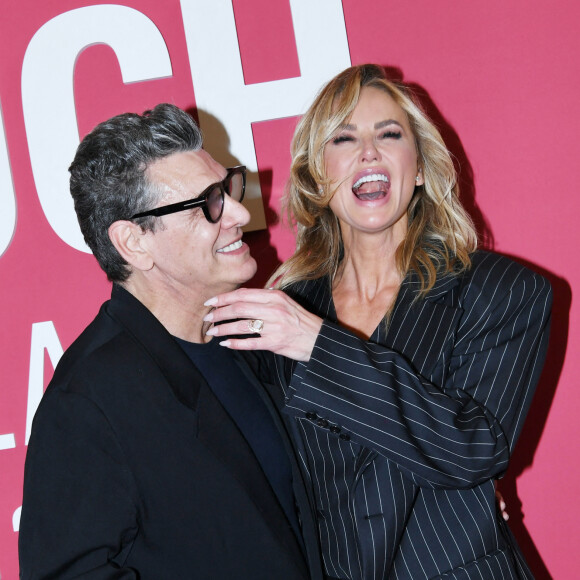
(402, 435)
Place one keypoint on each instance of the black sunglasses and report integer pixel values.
(211, 200)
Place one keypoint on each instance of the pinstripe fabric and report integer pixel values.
(403, 435)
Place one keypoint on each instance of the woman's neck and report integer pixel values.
(368, 265)
(366, 286)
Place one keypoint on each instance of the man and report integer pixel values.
(154, 453)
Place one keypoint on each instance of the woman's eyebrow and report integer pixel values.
(379, 125)
(386, 123)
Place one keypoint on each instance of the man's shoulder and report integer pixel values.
(97, 356)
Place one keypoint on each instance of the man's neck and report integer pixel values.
(181, 313)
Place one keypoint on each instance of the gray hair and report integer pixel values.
(108, 179)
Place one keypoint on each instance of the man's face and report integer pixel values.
(192, 257)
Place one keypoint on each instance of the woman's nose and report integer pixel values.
(369, 151)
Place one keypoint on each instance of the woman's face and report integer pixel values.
(372, 161)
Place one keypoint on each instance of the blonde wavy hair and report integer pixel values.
(440, 236)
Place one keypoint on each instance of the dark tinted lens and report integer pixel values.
(215, 203)
(235, 186)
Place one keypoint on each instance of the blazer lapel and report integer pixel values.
(423, 329)
(220, 435)
(182, 376)
(272, 397)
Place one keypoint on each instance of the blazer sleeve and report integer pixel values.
(455, 434)
(78, 513)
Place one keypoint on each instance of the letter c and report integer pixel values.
(48, 99)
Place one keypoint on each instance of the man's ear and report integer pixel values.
(128, 237)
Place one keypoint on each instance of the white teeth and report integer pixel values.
(231, 247)
(373, 177)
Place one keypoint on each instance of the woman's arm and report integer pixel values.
(456, 434)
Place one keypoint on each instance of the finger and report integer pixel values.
(253, 295)
(237, 327)
(242, 343)
(239, 310)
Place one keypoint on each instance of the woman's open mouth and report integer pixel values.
(371, 187)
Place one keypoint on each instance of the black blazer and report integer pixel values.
(135, 470)
(403, 435)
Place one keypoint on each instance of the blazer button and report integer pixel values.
(322, 423)
(311, 415)
(334, 429)
(344, 436)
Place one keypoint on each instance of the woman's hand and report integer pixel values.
(271, 319)
(501, 504)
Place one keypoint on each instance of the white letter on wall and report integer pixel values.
(7, 441)
(218, 78)
(16, 519)
(43, 337)
(7, 198)
(48, 98)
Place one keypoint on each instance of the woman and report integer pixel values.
(418, 355)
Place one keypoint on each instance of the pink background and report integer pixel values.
(500, 80)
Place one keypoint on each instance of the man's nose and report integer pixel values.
(235, 214)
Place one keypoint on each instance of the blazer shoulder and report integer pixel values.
(498, 274)
(314, 295)
(97, 357)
